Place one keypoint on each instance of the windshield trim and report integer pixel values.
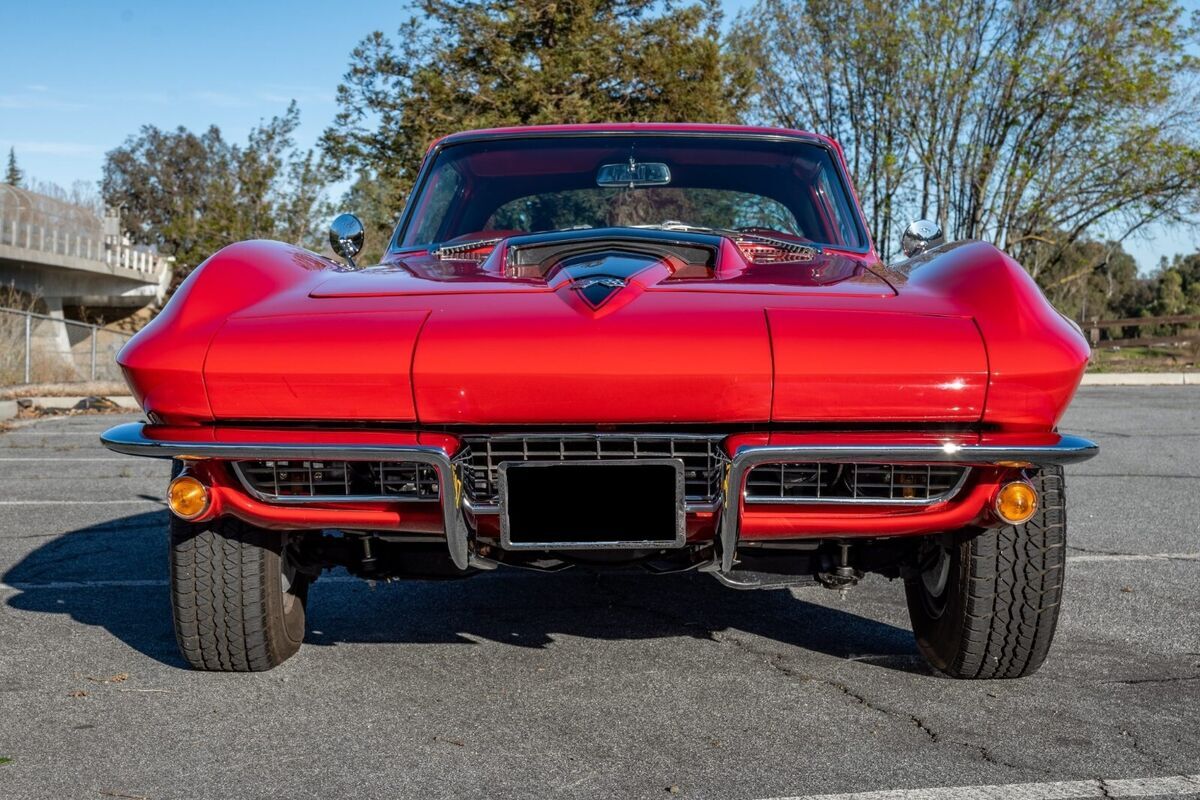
(394, 245)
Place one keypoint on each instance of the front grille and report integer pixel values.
(338, 480)
(818, 482)
(482, 456)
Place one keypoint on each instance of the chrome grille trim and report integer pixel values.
(818, 482)
(336, 481)
(480, 458)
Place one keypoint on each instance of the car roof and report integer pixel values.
(631, 127)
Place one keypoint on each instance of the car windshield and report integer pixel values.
(493, 188)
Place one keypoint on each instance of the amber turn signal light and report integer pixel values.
(187, 497)
(1016, 502)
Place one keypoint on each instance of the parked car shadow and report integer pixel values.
(113, 575)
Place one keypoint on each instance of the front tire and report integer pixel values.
(236, 597)
(984, 604)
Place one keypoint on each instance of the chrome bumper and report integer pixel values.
(131, 440)
(1067, 450)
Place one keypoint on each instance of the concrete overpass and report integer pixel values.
(70, 257)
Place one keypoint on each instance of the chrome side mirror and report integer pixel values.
(919, 236)
(346, 236)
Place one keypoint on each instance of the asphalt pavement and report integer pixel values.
(582, 685)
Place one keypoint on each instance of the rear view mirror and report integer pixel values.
(633, 174)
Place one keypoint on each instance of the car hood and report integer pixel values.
(600, 329)
(263, 331)
(683, 358)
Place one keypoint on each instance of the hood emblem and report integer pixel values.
(598, 289)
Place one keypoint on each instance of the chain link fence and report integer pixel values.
(36, 348)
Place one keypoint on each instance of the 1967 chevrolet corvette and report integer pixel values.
(666, 346)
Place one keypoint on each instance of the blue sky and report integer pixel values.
(89, 73)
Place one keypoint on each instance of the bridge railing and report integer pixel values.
(48, 239)
(36, 348)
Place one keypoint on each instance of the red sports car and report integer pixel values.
(666, 346)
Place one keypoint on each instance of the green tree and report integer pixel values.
(462, 64)
(1091, 279)
(1034, 125)
(191, 194)
(13, 175)
(1170, 297)
(1177, 286)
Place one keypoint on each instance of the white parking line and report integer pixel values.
(75, 460)
(1135, 557)
(1173, 786)
(60, 585)
(130, 584)
(93, 433)
(1076, 559)
(81, 502)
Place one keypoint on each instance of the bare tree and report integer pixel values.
(1029, 123)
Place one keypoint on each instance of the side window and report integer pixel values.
(837, 207)
(444, 186)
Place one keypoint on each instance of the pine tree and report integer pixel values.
(462, 64)
(13, 175)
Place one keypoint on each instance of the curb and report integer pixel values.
(1141, 379)
(8, 408)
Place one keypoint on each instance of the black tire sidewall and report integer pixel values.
(939, 637)
(292, 616)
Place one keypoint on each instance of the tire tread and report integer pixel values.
(1003, 608)
(1013, 590)
(219, 598)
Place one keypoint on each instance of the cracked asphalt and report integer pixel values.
(581, 685)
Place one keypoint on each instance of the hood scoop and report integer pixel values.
(539, 254)
(591, 281)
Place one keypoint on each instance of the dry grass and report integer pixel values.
(1147, 359)
(12, 332)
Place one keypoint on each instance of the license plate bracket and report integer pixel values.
(592, 505)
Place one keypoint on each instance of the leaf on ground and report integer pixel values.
(5, 760)
(120, 677)
(77, 693)
(455, 742)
